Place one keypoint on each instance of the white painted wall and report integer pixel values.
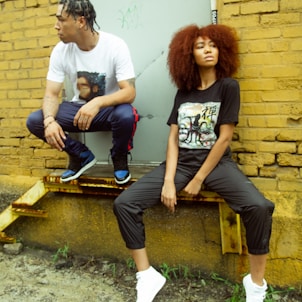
(147, 26)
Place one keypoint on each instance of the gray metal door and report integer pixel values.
(147, 26)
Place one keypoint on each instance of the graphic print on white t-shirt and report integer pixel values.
(90, 85)
(196, 122)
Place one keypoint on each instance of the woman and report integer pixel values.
(201, 62)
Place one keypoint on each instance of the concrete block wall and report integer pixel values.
(268, 141)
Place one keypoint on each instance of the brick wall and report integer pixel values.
(268, 140)
(27, 36)
(267, 143)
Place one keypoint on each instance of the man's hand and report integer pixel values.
(55, 135)
(85, 115)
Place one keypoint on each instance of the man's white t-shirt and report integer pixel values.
(95, 72)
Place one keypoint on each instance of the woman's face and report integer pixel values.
(205, 52)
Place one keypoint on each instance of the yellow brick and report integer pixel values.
(299, 149)
(296, 45)
(290, 135)
(280, 45)
(241, 21)
(32, 3)
(25, 44)
(281, 71)
(259, 7)
(249, 72)
(290, 160)
(4, 65)
(30, 83)
(258, 84)
(294, 185)
(277, 147)
(262, 59)
(33, 103)
(258, 159)
(265, 184)
(6, 46)
(260, 46)
(287, 5)
(237, 146)
(284, 173)
(261, 33)
(249, 170)
(281, 95)
(270, 121)
(257, 134)
(231, 10)
(280, 19)
(260, 109)
(9, 142)
(16, 55)
(292, 31)
(41, 32)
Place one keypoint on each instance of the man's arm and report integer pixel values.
(51, 100)
(125, 95)
(54, 134)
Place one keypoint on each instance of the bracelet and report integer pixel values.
(49, 123)
(47, 116)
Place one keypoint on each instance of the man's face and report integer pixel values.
(66, 26)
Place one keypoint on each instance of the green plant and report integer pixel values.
(273, 293)
(112, 266)
(238, 291)
(62, 252)
(167, 271)
(130, 263)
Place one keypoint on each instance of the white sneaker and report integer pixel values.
(254, 292)
(149, 283)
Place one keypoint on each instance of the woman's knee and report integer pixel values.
(119, 205)
(260, 210)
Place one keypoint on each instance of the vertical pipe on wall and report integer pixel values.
(214, 11)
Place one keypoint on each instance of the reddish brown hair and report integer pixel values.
(183, 70)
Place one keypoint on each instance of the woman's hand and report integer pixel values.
(193, 187)
(168, 195)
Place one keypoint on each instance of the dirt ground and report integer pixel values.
(34, 276)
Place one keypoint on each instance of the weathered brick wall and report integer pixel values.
(268, 145)
(27, 36)
(268, 139)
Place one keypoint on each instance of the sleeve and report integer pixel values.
(123, 63)
(230, 103)
(56, 70)
(173, 118)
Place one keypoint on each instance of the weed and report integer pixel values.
(62, 252)
(130, 263)
(168, 271)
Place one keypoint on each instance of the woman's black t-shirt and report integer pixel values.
(199, 113)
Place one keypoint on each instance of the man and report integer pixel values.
(100, 69)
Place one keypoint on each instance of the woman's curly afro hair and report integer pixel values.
(183, 70)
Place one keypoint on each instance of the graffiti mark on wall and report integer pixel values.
(130, 16)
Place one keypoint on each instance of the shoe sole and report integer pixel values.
(80, 172)
(122, 182)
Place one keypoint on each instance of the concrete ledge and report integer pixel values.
(189, 237)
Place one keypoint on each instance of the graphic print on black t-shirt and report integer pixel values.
(90, 85)
(196, 124)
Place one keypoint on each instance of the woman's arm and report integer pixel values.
(213, 158)
(168, 195)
